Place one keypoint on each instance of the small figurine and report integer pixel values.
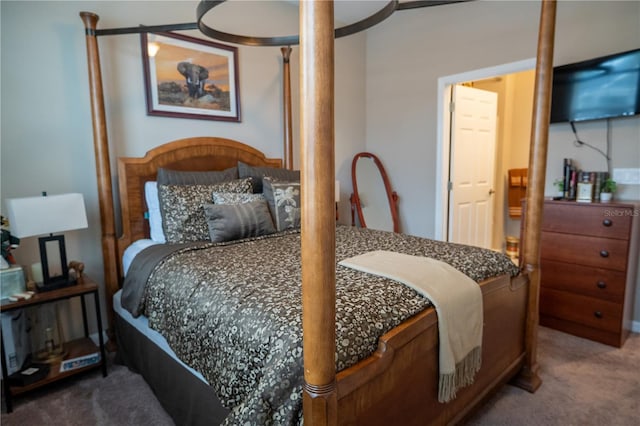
(9, 242)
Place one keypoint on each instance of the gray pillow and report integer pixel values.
(245, 170)
(180, 177)
(183, 219)
(229, 222)
(235, 198)
(284, 202)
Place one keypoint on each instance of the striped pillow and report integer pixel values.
(229, 222)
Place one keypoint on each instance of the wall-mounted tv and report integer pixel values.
(599, 88)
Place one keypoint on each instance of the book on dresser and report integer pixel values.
(589, 268)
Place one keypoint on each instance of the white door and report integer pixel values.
(471, 172)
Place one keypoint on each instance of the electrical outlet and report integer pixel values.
(627, 176)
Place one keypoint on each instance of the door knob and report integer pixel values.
(491, 192)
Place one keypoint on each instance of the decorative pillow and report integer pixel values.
(153, 209)
(245, 170)
(180, 177)
(236, 221)
(183, 218)
(235, 198)
(284, 202)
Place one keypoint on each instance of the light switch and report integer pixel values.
(627, 176)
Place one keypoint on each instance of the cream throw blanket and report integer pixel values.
(458, 303)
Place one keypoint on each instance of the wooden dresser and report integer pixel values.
(589, 265)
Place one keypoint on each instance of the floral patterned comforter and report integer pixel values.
(233, 311)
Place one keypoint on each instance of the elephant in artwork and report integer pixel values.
(196, 76)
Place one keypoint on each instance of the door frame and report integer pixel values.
(443, 134)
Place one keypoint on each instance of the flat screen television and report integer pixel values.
(599, 88)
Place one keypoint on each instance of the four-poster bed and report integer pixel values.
(398, 382)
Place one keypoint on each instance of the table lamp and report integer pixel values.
(34, 216)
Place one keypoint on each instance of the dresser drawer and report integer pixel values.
(588, 311)
(599, 283)
(583, 219)
(589, 251)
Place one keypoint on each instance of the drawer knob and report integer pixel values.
(601, 284)
(597, 314)
(607, 222)
(604, 253)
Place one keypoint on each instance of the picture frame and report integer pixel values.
(187, 77)
(585, 192)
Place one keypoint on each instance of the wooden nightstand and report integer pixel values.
(76, 348)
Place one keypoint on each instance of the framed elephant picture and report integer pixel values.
(186, 77)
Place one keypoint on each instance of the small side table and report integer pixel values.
(76, 348)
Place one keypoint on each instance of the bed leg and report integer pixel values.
(527, 379)
(320, 404)
(111, 345)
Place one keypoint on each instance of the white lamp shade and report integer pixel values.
(33, 216)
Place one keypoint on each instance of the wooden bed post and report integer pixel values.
(528, 378)
(318, 211)
(286, 97)
(103, 167)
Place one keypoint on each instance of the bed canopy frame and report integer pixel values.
(317, 176)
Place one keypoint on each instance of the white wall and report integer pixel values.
(47, 141)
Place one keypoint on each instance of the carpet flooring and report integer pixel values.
(584, 383)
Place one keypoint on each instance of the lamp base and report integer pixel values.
(56, 284)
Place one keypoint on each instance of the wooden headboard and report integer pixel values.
(196, 154)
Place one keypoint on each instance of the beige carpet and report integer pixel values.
(122, 398)
(584, 383)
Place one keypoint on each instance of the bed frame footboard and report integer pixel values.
(398, 384)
